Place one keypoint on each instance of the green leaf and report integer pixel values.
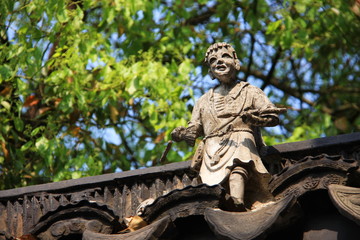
(19, 124)
(62, 15)
(134, 85)
(300, 7)
(185, 67)
(6, 105)
(36, 131)
(287, 39)
(26, 146)
(76, 175)
(273, 26)
(42, 143)
(5, 72)
(288, 23)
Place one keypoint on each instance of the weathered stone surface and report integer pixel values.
(229, 117)
(74, 219)
(313, 173)
(346, 200)
(185, 202)
(112, 190)
(245, 225)
(42, 209)
(155, 230)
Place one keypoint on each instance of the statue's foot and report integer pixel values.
(237, 201)
(239, 204)
(234, 204)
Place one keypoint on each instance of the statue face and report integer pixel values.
(223, 65)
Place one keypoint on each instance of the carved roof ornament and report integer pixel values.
(303, 190)
(346, 200)
(246, 226)
(169, 202)
(228, 118)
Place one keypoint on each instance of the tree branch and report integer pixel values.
(297, 78)
(272, 69)
(253, 40)
(276, 83)
(203, 17)
(128, 149)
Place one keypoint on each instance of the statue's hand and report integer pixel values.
(178, 134)
(182, 133)
(260, 121)
(189, 140)
(250, 118)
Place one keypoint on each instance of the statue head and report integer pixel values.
(223, 62)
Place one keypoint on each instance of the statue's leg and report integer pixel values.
(237, 180)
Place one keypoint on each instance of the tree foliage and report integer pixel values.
(73, 71)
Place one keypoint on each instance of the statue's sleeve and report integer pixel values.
(260, 100)
(262, 103)
(194, 129)
(195, 126)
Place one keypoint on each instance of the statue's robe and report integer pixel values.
(228, 141)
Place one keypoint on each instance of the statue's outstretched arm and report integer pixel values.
(188, 134)
(193, 131)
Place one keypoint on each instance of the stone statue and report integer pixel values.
(228, 117)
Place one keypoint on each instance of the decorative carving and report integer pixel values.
(140, 209)
(312, 173)
(75, 226)
(292, 191)
(229, 117)
(155, 230)
(191, 200)
(347, 201)
(98, 205)
(331, 179)
(244, 226)
(311, 183)
(21, 209)
(74, 219)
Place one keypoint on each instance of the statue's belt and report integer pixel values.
(229, 129)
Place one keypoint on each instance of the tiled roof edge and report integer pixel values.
(316, 145)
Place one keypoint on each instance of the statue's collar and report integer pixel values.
(235, 92)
